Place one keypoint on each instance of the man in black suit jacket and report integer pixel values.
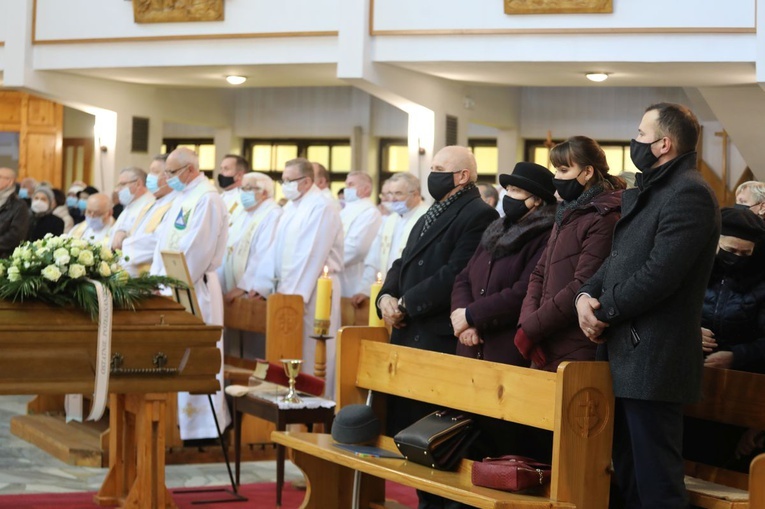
(644, 306)
(416, 296)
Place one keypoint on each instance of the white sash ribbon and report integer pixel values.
(73, 402)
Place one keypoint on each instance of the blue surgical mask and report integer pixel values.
(71, 202)
(248, 199)
(152, 183)
(350, 195)
(125, 196)
(95, 223)
(23, 193)
(82, 204)
(176, 184)
(397, 207)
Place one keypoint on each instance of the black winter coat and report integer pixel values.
(651, 288)
(14, 223)
(425, 273)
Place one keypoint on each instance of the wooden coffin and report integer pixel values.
(52, 350)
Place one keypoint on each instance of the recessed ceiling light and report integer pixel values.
(597, 76)
(236, 80)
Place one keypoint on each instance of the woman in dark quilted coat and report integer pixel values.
(549, 332)
(488, 293)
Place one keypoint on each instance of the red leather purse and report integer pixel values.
(510, 473)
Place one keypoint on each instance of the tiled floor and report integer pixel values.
(26, 469)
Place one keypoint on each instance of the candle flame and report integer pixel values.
(326, 271)
(379, 277)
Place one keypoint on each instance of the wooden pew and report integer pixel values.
(576, 403)
(757, 482)
(737, 398)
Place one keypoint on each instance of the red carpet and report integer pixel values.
(262, 495)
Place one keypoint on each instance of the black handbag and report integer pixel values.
(438, 440)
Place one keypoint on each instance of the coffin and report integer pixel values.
(159, 347)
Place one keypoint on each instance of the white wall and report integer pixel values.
(78, 124)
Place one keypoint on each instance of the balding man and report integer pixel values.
(196, 225)
(308, 238)
(361, 220)
(137, 200)
(14, 214)
(232, 169)
(415, 298)
(139, 246)
(489, 195)
(98, 222)
(406, 206)
(321, 180)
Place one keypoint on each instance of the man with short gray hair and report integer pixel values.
(98, 222)
(361, 220)
(752, 195)
(133, 195)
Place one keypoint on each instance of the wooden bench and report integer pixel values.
(737, 398)
(576, 403)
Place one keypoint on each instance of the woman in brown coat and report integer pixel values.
(548, 332)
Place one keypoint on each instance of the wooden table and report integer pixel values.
(253, 405)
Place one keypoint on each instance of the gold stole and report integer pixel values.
(236, 261)
(149, 204)
(78, 230)
(387, 244)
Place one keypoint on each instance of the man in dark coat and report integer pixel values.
(14, 214)
(416, 296)
(644, 306)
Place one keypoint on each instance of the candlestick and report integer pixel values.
(374, 292)
(323, 303)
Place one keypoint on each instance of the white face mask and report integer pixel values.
(125, 196)
(39, 206)
(290, 190)
(351, 195)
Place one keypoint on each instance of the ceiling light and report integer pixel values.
(597, 76)
(236, 80)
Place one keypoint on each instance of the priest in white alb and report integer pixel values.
(137, 200)
(250, 237)
(308, 238)
(406, 206)
(98, 222)
(361, 220)
(139, 246)
(196, 225)
(232, 169)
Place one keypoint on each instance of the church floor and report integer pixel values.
(26, 469)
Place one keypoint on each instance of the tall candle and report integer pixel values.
(374, 292)
(323, 296)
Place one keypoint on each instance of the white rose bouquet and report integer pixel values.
(58, 270)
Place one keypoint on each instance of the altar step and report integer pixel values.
(79, 444)
(75, 443)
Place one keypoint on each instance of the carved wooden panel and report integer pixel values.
(10, 111)
(166, 11)
(41, 112)
(558, 6)
(42, 157)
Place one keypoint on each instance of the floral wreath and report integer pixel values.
(59, 271)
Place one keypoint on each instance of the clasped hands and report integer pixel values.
(234, 294)
(466, 334)
(588, 322)
(391, 313)
(716, 359)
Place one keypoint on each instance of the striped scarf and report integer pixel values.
(440, 207)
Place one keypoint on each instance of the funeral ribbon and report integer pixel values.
(73, 403)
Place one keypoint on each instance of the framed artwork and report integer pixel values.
(558, 6)
(168, 11)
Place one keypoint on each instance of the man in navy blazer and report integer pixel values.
(644, 306)
(416, 296)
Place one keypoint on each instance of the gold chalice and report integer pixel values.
(292, 369)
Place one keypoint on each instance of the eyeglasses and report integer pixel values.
(172, 173)
(292, 180)
(124, 184)
(250, 188)
(398, 194)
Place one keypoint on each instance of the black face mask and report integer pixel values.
(570, 189)
(224, 181)
(730, 261)
(514, 209)
(440, 183)
(641, 154)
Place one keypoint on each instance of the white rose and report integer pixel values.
(61, 256)
(86, 258)
(79, 243)
(26, 254)
(14, 274)
(51, 273)
(41, 252)
(104, 269)
(75, 251)
(106, 253)
(115, 268)
(76, 271)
